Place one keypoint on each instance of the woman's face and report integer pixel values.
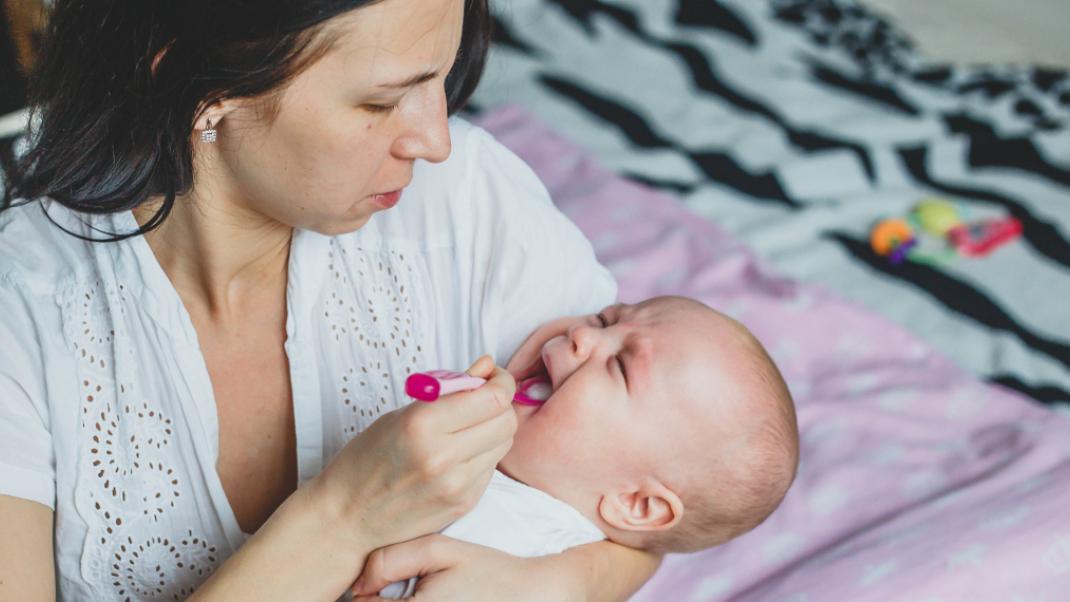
(349, 127)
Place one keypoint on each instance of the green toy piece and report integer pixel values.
(937, 216)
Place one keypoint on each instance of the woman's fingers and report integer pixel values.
(482, 367)
(431, 461)
(460, 411)
(484, 464)
(441, 456)
(455, 570)
(413, 558)
(483, 437)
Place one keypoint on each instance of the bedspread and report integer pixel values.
(918, 481)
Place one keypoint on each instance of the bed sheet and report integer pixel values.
(918, 481)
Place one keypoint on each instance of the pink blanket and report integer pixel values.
(917, 482)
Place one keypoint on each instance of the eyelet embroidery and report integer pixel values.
(142, 576)
(129, 490)
(380, 337)
(125, 445)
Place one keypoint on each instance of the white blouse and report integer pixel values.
(107, 412)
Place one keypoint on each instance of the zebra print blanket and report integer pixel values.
(796, 124)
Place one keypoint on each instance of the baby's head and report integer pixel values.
(669, 426)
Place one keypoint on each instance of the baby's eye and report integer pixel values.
(381, 108)
(602, 320)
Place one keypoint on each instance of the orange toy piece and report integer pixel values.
(890, 234)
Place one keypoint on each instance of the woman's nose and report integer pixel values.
(426, 135)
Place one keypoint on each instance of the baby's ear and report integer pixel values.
(650, 507)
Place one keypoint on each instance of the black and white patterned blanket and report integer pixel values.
(797, 124)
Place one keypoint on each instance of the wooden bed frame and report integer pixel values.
(26, 19)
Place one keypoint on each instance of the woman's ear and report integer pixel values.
(525, 362)
(651, 507)
(216, 112)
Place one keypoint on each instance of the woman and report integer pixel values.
(211, 400)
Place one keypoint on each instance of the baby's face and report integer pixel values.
(625, 384)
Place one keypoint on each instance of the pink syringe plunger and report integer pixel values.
(430, 385)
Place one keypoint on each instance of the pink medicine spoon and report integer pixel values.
(429, 386)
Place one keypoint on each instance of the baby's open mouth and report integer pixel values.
(536, 388)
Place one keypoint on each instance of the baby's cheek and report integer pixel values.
(575, 435)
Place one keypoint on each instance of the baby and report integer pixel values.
(669, 429)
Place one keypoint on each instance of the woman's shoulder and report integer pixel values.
(479, 159)
(37, 250)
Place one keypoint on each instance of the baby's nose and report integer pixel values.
(583, 339)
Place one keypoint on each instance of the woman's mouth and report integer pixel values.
(387, 199)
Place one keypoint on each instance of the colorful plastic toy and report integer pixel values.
(935, 233)
(936, 216)
(889, 235)
(978, 239)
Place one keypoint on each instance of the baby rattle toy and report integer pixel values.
(911, 239)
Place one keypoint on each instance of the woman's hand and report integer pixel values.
(450, 569)
(419, 468)
(410, 473)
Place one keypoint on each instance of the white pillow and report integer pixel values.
(13, 123)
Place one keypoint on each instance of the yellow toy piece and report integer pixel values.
(936, 216)
(889, 234)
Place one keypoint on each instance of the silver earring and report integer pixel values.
(209, 133)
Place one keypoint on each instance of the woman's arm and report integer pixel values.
(302, 552)
(27, 459)
(27, 571)
(305, 537)
(450, 569)
(412, 472)
(605, 571)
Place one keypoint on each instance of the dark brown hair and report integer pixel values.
(114, 123)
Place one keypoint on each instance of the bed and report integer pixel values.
(739, 151)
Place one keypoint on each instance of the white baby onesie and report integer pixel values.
(517, 519)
